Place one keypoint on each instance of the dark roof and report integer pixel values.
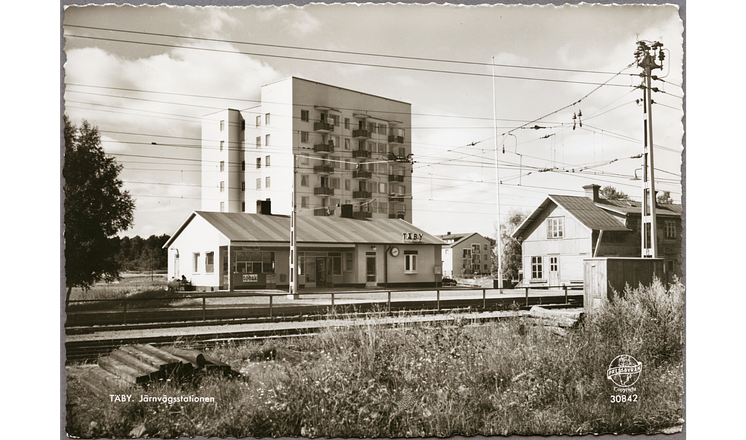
(587, 213)
(244, 227)
(597, 216)
(454, 237)
(628, 207)
(581, 208)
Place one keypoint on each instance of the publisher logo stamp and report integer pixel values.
(624, 371)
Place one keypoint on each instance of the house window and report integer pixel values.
(266, 182)
(222, 186)
(304, 202)
(475, 248)
(304, 115)
(485, 247)
(258, 183)
(537, 268)
(266, 119)
(304, 137)
(222, 144)
(258, 162)
(553, 264)
(670, 229)
(266, 140)
(222, 125)
(258, 120)
(209, 262)
(266, 161)
(555, 227)
(410, 262)
(222, 166)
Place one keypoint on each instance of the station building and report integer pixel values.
(242, 251)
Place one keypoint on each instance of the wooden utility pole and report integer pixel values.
(646, 59)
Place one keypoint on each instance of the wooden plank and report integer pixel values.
(154, 361)
(194, 356)
(164, 355)
(123, 371)
(109, 380)
(146, 370)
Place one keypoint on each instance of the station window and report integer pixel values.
(195, 262)
(410, 262)
(255, 262)
(210, 262)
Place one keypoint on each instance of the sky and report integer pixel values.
(145, 75)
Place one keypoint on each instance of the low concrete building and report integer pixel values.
(233, 251)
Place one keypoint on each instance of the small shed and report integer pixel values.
(604, 276)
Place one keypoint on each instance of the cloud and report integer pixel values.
(292, 19)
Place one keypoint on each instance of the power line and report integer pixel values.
(342, 62)
(367, 54)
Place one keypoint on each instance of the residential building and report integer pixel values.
(334, 145)
(466, 254)
(234, 251)
(565, 230)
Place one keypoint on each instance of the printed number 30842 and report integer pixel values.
(623, 398)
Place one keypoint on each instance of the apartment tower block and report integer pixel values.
(348, 152)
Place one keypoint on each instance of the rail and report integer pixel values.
(193, 306)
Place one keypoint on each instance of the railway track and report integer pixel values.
(87, 343)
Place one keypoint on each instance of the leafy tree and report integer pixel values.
(96, 208)
(512, 251)
(665, 198)
(611, 193)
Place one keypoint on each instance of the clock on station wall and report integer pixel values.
(395, 251)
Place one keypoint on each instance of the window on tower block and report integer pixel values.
(222, 165)
(266, 119)
(258, 162)
(266, 182)
(222, 186)
(304, 115)
(304, 137)
(259, 183)
(258, 142)
(222, 125)
(222, 144)
(266, 140)
(266, 161)
(258, 120)
(304, 202)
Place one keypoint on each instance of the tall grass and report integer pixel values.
(460, 378)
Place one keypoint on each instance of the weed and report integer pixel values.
(424, 380)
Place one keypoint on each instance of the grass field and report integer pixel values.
(129, 284)
(499, 378)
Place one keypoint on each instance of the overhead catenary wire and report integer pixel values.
(326, 51)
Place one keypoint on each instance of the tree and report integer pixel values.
(611, 193)
(512, 251)
(96, 208)
(664, 198)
